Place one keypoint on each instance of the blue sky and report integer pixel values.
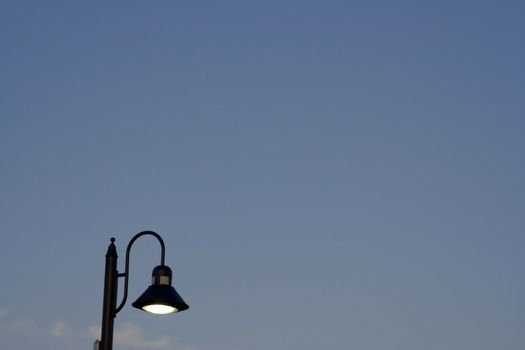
(326, 175)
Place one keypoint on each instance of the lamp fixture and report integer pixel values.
(159, 298)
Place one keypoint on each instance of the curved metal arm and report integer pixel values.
(126, 271)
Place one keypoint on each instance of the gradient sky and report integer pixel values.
(325, 174)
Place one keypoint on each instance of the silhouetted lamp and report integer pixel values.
(159, 298)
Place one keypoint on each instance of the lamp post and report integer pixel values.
(159, 298)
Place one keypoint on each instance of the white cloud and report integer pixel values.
(60, 329)
(125, 335)
(94, 332)
(28, 326)
(132, 336)
(22, 325)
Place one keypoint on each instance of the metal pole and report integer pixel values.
(110, 297)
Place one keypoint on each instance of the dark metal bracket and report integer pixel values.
(125, 274)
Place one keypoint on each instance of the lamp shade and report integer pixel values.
(161, 297)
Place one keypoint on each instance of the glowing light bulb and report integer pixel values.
(159, 309)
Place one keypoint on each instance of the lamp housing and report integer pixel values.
(161, 297)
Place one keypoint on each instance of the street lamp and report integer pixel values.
(159, 298)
